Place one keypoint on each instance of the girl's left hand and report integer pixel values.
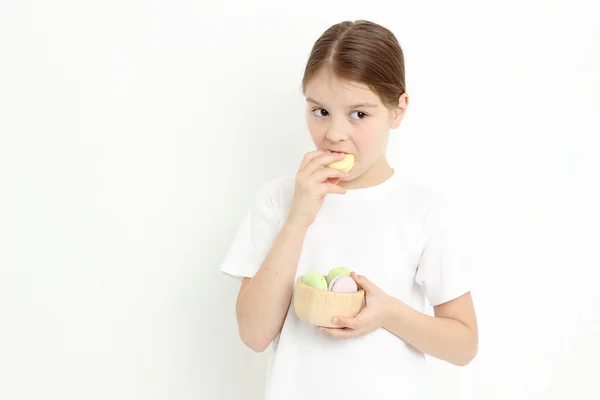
(370, 318)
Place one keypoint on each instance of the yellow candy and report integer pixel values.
(344, 165)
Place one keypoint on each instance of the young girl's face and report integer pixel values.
(349, 117)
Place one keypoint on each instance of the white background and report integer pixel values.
(134, 134)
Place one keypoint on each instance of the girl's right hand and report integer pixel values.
(312, 184)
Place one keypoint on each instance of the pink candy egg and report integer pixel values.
(342, 283)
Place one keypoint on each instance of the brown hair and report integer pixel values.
(362, 52)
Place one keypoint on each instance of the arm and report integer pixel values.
(450, 335)
(263, 301)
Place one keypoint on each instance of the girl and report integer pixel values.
(386, 229)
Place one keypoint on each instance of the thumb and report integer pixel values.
(363, 282)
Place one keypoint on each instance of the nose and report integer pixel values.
(337, 131)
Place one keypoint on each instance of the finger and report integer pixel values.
(340, 333)
(356, 322)
(322, 160)
(322, 174)
(317, 190)
(308, 157)
(344, 322)
(363, 282)
(330, 188)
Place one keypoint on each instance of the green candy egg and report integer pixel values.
(336, 272)
(315, 280)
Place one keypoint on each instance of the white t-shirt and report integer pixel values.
(394, 234)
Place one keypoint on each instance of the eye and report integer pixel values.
(359, 115)
(319, 112)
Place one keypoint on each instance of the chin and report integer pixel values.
(353, 174)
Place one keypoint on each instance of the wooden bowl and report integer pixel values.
(318, 307)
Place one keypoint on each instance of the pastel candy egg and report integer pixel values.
(342, 283)
(338, 271)
(314, 279)
(344, 165)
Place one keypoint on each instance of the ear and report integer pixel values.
(398, 112)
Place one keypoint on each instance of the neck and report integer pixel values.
(378, 173)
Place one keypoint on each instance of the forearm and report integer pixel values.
(443, 338)
(264, 302)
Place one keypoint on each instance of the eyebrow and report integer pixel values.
(359, 105)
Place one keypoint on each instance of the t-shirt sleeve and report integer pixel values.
(443, 270)
(254, 236)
